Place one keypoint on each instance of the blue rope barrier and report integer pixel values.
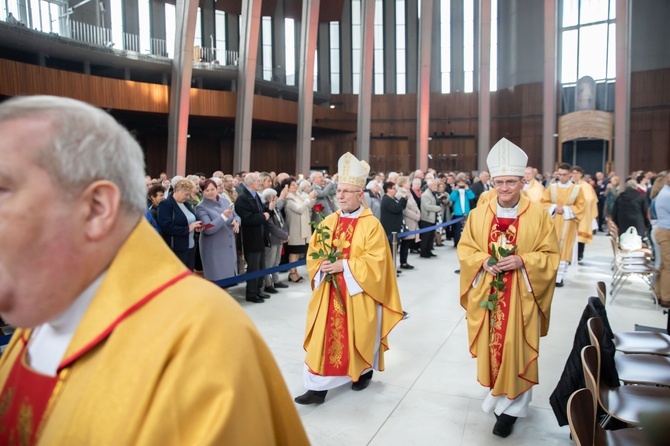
(230, 281)
(4, 340)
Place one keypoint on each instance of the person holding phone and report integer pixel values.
(218, 249)
(178, 222)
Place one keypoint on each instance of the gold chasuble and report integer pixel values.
(161, 357)
(566, 230)
(535, 191)
(585, 230)
(507, 349)
(340, 339)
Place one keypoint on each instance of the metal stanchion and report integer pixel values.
(394, 248)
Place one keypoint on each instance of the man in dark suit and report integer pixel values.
(254, 233)
(479, 187)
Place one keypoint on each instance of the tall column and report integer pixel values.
(550, 87)
(309, 27)
(246, 77)
(412, 23)
(457, 53)
(279, 44)
(622, 89)
(390, 81)
(484, 87)
(323, 44)
(367, 67)
(207, 23)
(180, 89)
(423, 95)
(345, 50)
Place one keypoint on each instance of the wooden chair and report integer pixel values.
(586, 432)
(624, 403)
(602, 292)
(651, 370)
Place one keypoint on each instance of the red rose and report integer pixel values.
(502, 226)
(318, 208)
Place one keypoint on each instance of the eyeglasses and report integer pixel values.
(501, 183)
(346, 191)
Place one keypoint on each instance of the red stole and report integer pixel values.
(508, 228)
(24, 402)
(28, 395)
(337, 334)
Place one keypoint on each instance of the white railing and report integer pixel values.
(215, 56)
(95, 35)
(131, 42)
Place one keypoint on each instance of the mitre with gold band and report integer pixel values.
(352, 171)
(506, 159)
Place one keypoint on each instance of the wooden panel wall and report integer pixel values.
(650, 120)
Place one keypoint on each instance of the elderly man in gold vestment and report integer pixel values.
(508, 256)
(566, 204)
(117, 343)
(355, 302)
(532, 188)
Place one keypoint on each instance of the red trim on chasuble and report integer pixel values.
(336, 351)
(139, 304)
(508, 228)
(24, 402)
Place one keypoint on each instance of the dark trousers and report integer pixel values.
(255, 262)
(457, 229)
(187, 257)
(405, 244)
(580, 250)
(427, 239)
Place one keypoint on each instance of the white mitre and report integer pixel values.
(352, 171)
(506, 159)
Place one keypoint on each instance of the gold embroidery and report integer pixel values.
(336, 349)
(6, 401)
(25, 423)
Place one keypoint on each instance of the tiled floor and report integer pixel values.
(428, 394)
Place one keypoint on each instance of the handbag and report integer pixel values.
(630, 240)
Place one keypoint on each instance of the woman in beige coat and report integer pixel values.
(297, 210)
(412, 216)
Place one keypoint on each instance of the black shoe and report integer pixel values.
(432, 255)
(255, 299)
(312, 397)
(579, 259)
(398, 271)
(263, 296)
(503, 426)
(406, 266)
(559, 284)
(280, 285)
(458, 271)
(405, 315)
(363, 381)
(414, 251)
(271, 290)
(427, 256)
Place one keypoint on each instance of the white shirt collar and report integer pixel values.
(354, 214)
(507, 212)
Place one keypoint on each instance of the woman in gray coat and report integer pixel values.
(217, 240)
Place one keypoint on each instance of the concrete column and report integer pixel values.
(484, 76)
(390, 80)
(622, 89)
(412, 24)
(345, 50)
(246, 70)
(158, 19)
(457, 56)
(323, 44)
(182, 67)
(367, 67)
(550, 87)
(436, 51)
(131, 18)
(279, 45)
(207, 23)
(423, 96)
(233, 32)
(309, 27)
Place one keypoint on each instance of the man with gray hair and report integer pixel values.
(325, 193)
(111, 326)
